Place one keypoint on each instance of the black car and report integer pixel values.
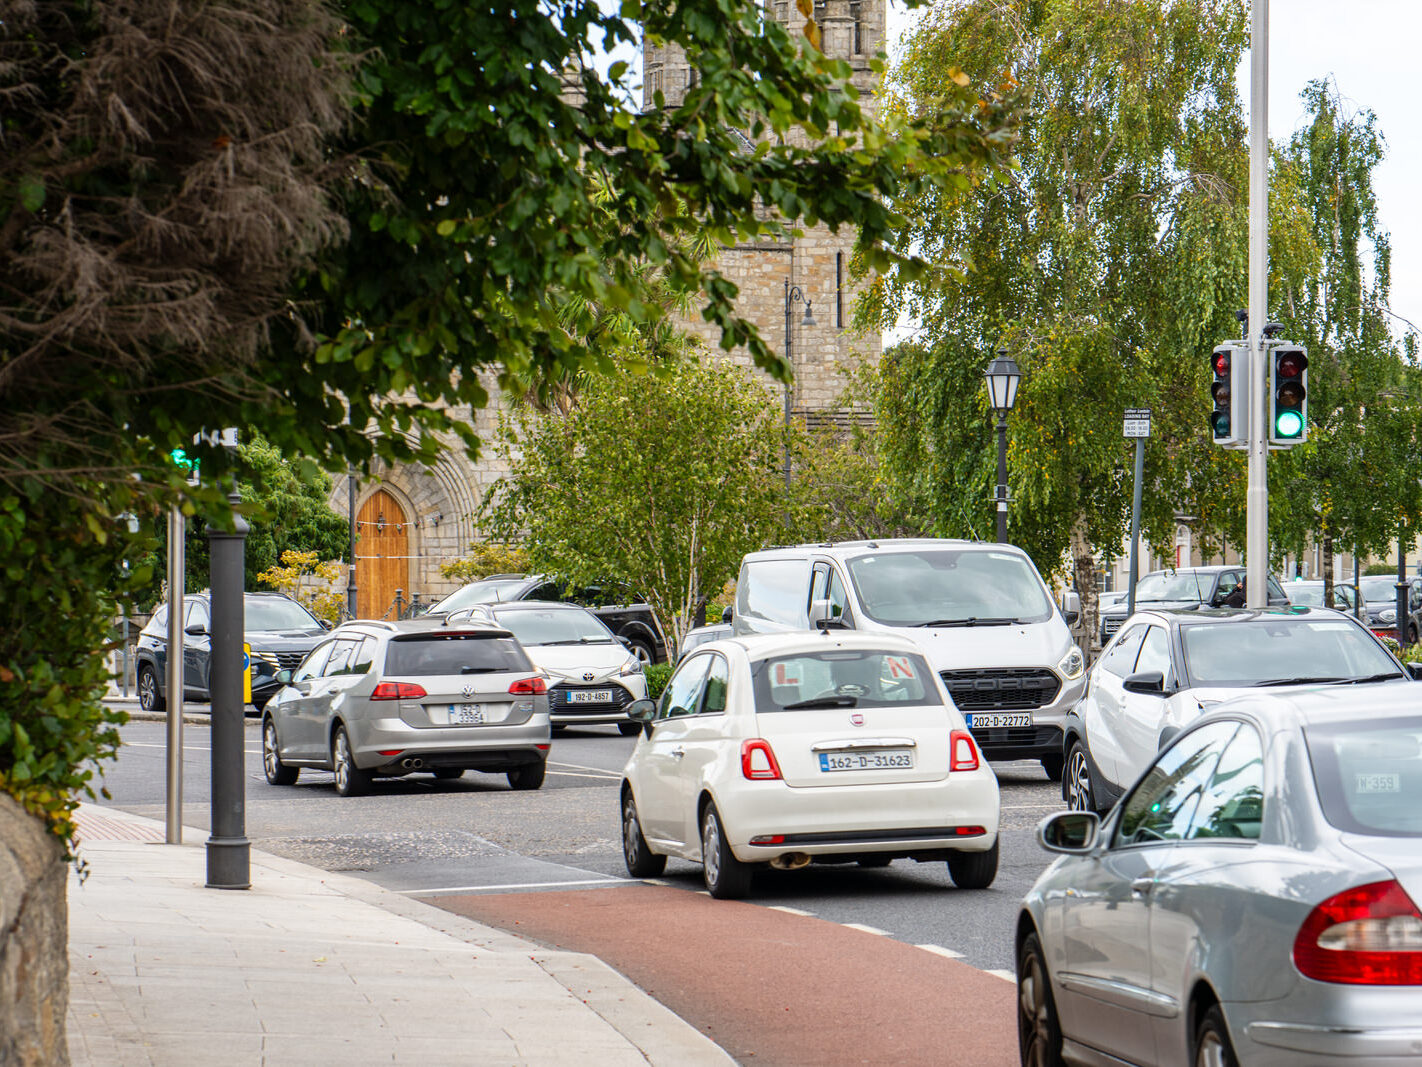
(1188, 587)
(279, 630)
(624, 614)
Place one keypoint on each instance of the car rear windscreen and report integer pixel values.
(843, 678)
(1369, 775)
(431, 654)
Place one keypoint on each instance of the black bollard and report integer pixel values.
(228, 850)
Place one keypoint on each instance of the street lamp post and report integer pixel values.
(793, 294)
(351, 572)
(1002, 377)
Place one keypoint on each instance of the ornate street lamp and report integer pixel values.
(1002, 377)
(793, 294)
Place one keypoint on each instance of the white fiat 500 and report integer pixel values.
(799, 748)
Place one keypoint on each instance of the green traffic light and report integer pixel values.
(1288, 424)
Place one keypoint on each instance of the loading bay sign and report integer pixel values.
(1137, 423)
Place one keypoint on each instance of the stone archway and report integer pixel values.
(382, 555)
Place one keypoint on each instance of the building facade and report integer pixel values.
(409, 519)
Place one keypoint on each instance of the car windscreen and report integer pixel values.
(1379, 588)
(1275, 649)
(554, 627)
(945, 586)
(273, 614)
(1185, 585)
(1309, 596)
(422, 655)
(486, 592)
(1369, 774)
(843, 678)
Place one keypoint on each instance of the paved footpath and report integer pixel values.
(309, 968)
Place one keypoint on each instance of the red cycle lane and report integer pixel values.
(771, 987)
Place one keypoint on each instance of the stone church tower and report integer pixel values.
(412, 519)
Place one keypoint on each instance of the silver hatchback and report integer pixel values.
(1253, 898)
(389, 699)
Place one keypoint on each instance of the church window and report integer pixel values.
(856, 12)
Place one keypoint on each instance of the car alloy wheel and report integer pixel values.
(727, 878)
(1076, 782)
(641, 861)
(1212, 1044)
(149, 698)
(1039, 1034)
(277, 772)
(351, 781)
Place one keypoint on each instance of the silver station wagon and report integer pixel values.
(389, 699)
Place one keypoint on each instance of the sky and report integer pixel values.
(1369, 48)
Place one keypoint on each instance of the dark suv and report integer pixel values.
(1188, 587)
(279, 630)
(625, 615)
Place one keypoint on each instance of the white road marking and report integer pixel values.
(1006, 976)
(513, 885)
(939, 950)
(655, 881)
(789, 911)
(580, 767)
(1028, 807)
(866, 929)
(574, 774)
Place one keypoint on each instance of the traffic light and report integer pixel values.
(1288, 395)
(1229, 389)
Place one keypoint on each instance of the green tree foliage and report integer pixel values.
(662, 481)
(486, 558)
(1354, 481)
(1107, 264)
(334, 224)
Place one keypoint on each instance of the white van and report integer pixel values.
(980, 611)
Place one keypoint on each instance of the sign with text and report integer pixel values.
(1137, 423)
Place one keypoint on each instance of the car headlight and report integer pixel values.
(1387, 615)
(1072, 664)
(632, 666)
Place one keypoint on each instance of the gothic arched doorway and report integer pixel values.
(382, 555)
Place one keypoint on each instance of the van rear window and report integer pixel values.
(843, 678)
(461, 653)
(777, 590)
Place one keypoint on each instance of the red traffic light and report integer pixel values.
(1291, 364)
(1220, 362)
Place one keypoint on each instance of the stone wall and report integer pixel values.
(34, 942)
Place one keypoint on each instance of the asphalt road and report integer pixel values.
(475, 836)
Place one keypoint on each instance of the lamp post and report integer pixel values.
(793, 294)
(1002, 377)
(351, 572)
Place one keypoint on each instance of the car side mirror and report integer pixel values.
(1071, 606)
(1414, 671)
(823, 616)
(727, 614)
(283, 676)
(325, 623)
(196, 629)
(642, 711)
(1152, 682)
(1070, 832)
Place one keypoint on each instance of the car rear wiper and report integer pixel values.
(972, 620)
(580, 641)
(822, 702)
(1301, 681)
(1370, 678)
(479, 670)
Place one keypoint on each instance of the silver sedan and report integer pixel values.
(1251, 899)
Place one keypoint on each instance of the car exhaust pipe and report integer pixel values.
(412, 764)
(791, 861)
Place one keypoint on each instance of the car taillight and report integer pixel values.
(397, 691)
(758, 760)
(962, 753)
(524, 687)
(1368, 935)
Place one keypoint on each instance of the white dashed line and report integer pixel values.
(790, 911)
(655, 881)
(1006, 976)
(939, 950)
(512, 885)
(866, 929)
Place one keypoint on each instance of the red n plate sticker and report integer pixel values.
(899, 667)
(784, 677)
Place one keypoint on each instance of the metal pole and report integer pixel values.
(228, 850)
(1256, 560)
(787, 384)
(1357, 589)
(1402, 597)
(177, 572)
(1002, 478)
(124, 687)
(1135, 527)
(351, 578)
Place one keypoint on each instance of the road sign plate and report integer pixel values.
(1137, 423)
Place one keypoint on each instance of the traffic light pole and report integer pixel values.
(1257, 499)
